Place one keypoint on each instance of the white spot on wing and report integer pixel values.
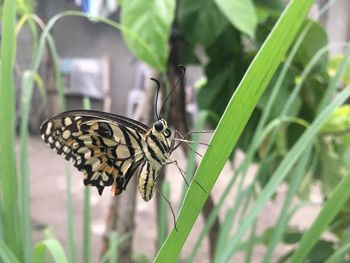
(67, 121)
(48, 128)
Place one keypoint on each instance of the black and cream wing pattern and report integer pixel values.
(107, 148)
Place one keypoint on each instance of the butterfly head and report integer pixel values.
(161, 127)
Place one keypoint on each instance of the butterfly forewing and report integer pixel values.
(107, 148)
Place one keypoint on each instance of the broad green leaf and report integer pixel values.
(315, 39)
(241, 14)
(151, 20)
(201, 21)
(224, 71)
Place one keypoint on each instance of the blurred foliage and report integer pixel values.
(22, 7)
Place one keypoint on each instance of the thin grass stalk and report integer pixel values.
(339, 253)
(114, 241)
(26, 95)
(243, 196)
(227, 222)
(251, 242)
(72, 257)
(334, 81)
(282, 221)
(211, 219)
(330, 209)
(163, 214)
(87, 209)
(282, 171)
(9, 183)
(191, 159)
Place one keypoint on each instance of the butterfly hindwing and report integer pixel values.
(106, 148)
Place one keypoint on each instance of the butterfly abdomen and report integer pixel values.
(147, 179)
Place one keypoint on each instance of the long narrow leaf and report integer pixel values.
(331, 208)
(232, 123)
(6, 254)
(87, 209)
(51, 245)
(282, 170)
(9, 190)
(26, 96)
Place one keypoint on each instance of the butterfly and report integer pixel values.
(109, 148)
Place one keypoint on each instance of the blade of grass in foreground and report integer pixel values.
(55, 249)
(9, 183)
(330, 209)
(232, 123)
(26, 95)
(6, 254)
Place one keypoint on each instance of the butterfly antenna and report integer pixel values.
(156, 103)
(183, 71)
(171, 208)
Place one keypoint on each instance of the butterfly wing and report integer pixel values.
(107, 148)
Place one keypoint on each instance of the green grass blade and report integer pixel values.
(51, 245)
(232, 123)
(338, 255)
(87, 226)
(282, 222)
(112, 253)
(26, 96)
(9, 183)
(331, 208)
(70, 218)
(87, 209)
(163, 214)
(6, 255)
(282, 170)
(333, 83)
(191, 158)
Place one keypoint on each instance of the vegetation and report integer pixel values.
(275, 95)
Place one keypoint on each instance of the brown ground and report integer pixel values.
(48, 186)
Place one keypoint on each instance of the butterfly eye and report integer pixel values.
(158, 125)
(167, 133)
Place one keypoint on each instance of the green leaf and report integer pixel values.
(151, 20)
(334, 151)
(9, 181)
(241, 14)
(6, 255)
(339, 120)
(201, 21)
(334, 64)
(315, 39)
(55, 249)
(224, 71)
(231, 126)
(331, 208)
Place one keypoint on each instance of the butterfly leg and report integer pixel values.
(179, 168)
(171, 208)
(183, 174)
